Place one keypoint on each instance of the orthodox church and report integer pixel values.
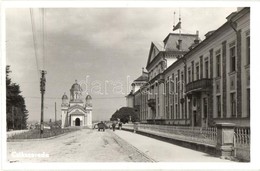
(77, 111)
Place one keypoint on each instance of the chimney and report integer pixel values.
(180, 44)
(196, 41)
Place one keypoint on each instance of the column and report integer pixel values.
(225, 136)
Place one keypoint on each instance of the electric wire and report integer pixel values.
(43, 39)
(34, 41)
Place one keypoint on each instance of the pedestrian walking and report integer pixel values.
(120, 125)
(113, 126)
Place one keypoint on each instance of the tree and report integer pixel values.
(124, 114)
(16, 112)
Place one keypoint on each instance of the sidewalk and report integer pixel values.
(165, 152)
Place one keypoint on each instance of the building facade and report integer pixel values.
(195, 83)
(76, 112)
(134, 98)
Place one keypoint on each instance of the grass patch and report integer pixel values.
(35, 133)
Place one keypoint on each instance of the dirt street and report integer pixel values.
(84, 145)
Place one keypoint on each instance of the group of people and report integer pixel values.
(114, 126)
(102, 126)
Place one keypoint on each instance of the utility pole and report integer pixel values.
(42, 88)
(55, 113)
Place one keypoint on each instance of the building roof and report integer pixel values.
(143, 77)
(209, 33)
(159, 45)
(171, 44)
(171, 41)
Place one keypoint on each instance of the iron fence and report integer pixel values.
(242, 143)
(193, 134)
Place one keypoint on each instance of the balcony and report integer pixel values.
(199, 85)
(151, 103)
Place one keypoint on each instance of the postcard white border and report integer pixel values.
(255, 117)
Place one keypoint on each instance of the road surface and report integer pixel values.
(85, 145)
(88, 145)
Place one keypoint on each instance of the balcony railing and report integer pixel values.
(199, 85)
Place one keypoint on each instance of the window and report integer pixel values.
(206, 69)
(178, 87)
(176, 111)
(248, 50)
(176, 82)
(233, 104)
(218, 65)
(248, 102)
(197, 72)
(189, 76)
(219, 106)
(232, 58)
(205, 107)
(167, 113)
(192, 70)
(172, 81)
(171, 112)
(178, 75)
(182, 81)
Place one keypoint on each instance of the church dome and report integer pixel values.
(64, 96)
(75, 87)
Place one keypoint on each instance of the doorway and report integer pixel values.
(77, 122)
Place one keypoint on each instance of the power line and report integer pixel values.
(43, 41)
(34, 42)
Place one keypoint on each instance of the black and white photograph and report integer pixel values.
(125, 84)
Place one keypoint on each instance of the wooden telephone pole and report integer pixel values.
(55, 113)
(42, 88)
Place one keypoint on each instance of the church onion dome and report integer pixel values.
(64, 96)
(88, 97)
(75, 87)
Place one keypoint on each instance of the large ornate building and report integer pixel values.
(197, 83)
(77, 111)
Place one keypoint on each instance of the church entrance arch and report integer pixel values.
(77, 122)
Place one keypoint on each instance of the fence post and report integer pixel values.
(225, 143)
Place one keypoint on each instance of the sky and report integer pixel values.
(104, 49)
